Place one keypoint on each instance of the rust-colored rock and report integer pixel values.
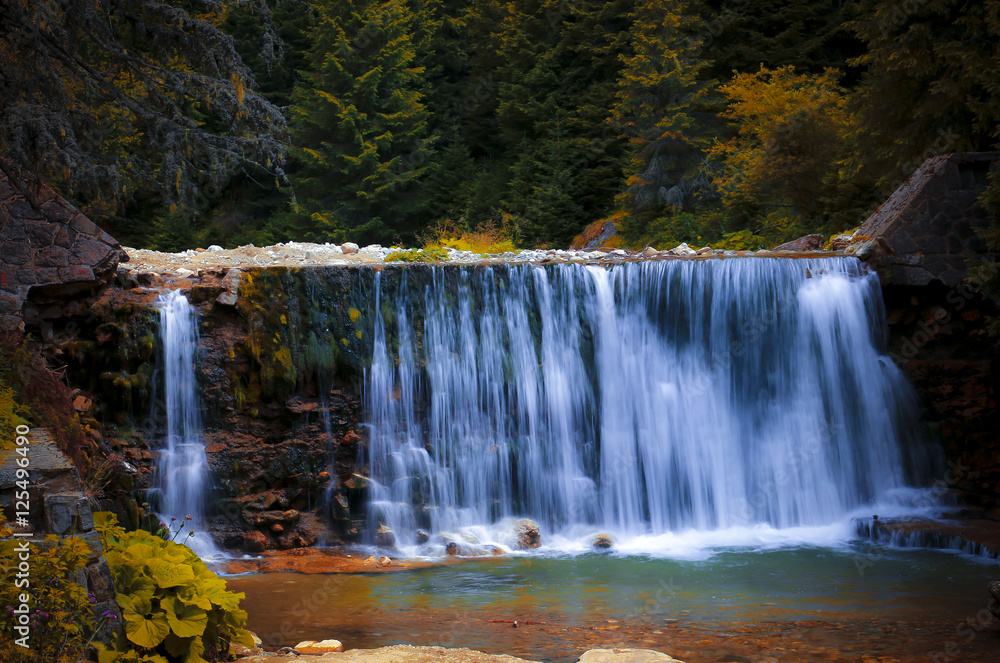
(807, 243)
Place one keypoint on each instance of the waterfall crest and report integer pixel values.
(647, 398)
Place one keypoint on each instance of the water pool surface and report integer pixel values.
(851, 604)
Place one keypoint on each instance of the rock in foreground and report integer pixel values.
(626, 656)
(396, 654)
(526, 534)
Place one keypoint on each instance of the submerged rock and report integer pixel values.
(526, 534)
(385, 537)
(626, 656)
(603, 541)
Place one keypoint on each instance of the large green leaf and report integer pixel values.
(220, 597)
(169, 574)
(196, 653)
(136, 608)
(148, 632)
(185, 621)
(194, 595)
(176, 646)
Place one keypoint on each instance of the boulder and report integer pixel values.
(841, 242)
(928, 230)
(526, 534)
(807, 243)
(349, 247)
(626, 656)
(683, 250)
(307, 647)
(256, 542)
(603, 541)
(422, 537)
(385, 537)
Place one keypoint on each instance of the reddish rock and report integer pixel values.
(807, 243)
(256, 542)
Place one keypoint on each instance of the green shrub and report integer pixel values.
(175, 609)
(436, 254)
(59, 609)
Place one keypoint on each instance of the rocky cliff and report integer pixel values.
(48, 250)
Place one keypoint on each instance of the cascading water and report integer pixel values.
(647, 399)
(182, 466)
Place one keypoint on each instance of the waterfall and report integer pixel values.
(644, 399)
(182, 466)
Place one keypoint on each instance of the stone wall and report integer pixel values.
(46, 242)
(59, 505)
(926, 231)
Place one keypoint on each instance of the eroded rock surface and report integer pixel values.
(47, 243)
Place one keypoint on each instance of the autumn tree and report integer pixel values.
(789, 128)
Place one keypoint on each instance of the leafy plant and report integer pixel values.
(60, 609)
(173, 606)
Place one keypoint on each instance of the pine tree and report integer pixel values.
(662, 104)
(557, 83)
(930, 87)
(809, 35)
(358, 124)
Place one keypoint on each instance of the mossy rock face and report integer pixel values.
(304, 328)
(113, 355)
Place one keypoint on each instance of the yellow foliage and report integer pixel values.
(789, 127)
(493, 236)
(10, 416)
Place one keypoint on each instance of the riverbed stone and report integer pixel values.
(626, 656)
(307, 647)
